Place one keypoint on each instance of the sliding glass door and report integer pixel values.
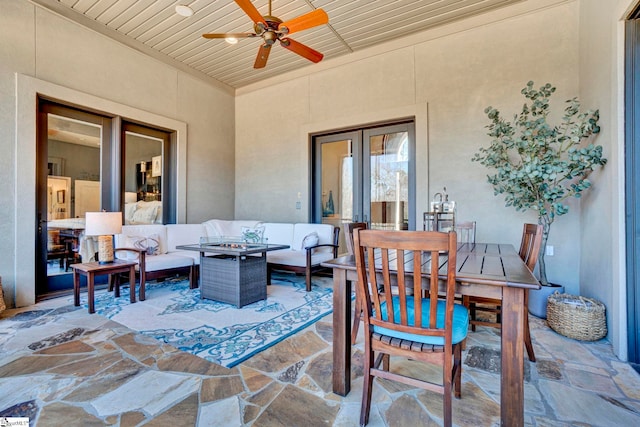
(70, 152)
(365, 175)
(89, 162)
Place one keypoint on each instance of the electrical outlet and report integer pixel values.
(549, 251)
(298, 205)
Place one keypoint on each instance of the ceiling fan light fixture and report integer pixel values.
(231, 40)
(184, 10)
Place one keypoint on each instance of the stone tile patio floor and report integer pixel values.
(60, 366)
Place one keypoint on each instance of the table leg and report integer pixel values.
(132, 284)
(341, 332)
(114, 282)
(90, 292)
(76, 287)
(512, 358)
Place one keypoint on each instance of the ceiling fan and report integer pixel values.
(273, 29)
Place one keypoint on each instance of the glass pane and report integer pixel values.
(73, 187)
(337, 185)
(389, 158)
(143, 179)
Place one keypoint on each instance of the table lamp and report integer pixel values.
(104, 225)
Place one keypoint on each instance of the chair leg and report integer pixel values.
(308, 274)
(471, 306)
(385, 362)
(192, 282)
(357, 315)
(446, 408)
(365, 406)
(457, 370)
(527, 332)
(142, 285)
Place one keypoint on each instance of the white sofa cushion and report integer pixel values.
(224, 228)
(278, 233)
(297, 258)
(184, 234)
(302, 230)
(166, 261)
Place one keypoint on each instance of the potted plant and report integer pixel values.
(539, 166)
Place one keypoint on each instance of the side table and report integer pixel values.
(92, 269)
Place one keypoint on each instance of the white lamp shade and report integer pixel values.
(103, 223)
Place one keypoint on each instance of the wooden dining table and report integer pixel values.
(483, 269)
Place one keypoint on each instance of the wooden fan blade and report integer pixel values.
(251, 10)
(302, 50)
(304, 22)
(226, 35)
(263, 55)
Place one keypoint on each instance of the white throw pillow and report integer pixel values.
(252, 235)
(150, 244)
(310, 239)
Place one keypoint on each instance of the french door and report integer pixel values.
(72, 169)
(365, 175)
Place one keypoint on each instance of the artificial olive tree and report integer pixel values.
(537, 165)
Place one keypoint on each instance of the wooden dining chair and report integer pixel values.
(529, 251)
(466, 231)
(405, 323)
(357, 312)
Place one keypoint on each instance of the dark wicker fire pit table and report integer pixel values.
(233, 272)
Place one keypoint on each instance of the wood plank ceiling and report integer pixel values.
(154, 27)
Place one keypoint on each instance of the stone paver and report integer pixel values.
(64, 367)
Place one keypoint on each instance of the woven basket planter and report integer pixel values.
(576, 317)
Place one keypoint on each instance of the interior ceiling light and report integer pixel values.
(231, 40)
(184, 10)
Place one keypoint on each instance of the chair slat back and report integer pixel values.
(466, 231)
(530, 244)
(390, 267)
(351, 226)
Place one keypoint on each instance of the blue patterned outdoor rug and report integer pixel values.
(219, 332)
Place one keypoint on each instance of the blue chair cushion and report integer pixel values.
(460, 321)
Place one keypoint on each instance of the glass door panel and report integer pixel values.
(69, 148)
(388, 170)
(143, 170)
(336, 178)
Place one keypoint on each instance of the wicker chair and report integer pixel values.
(529, 251)
(410, 326)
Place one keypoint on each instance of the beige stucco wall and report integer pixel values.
(42, 50)
(602, 267)
(445, 78)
